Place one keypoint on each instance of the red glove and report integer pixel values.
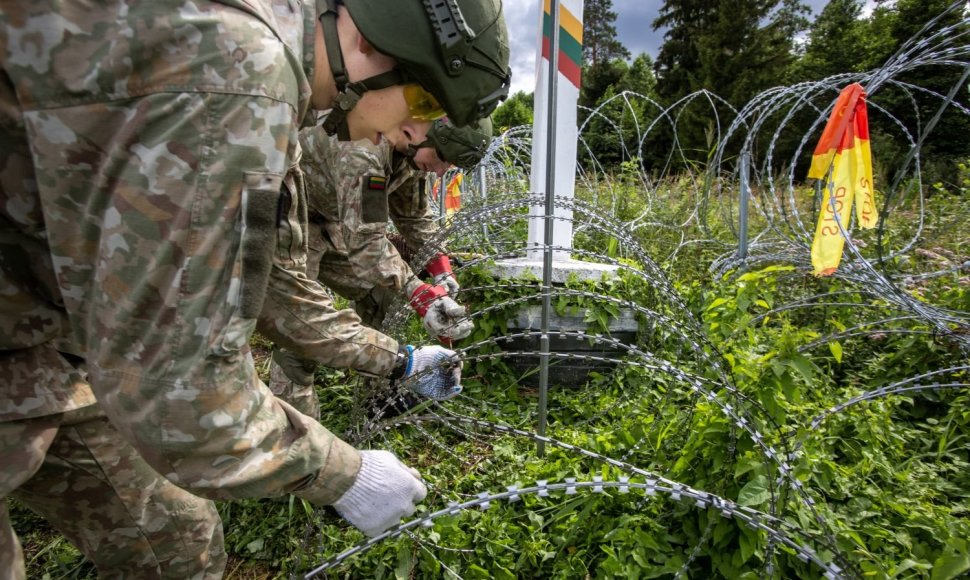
(440, 314)
(440, 269)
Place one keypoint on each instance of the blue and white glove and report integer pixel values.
(433, 372)
(385, 491)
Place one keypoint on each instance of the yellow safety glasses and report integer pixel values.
(422, 104)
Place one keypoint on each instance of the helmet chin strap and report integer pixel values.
(348, 93)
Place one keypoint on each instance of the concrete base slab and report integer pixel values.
(565, 369)
(529, 269)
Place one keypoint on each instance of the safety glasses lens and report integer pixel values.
(422, 104)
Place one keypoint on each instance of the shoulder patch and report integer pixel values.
(378, 182)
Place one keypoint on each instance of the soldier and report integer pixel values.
(150, 204)
(353, 188)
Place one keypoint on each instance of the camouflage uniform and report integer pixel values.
(74, 469)
(353, 188)
(152, 213)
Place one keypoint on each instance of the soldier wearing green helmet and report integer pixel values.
(463, 147)
(465, 75)
(151, 207)
(349, 251)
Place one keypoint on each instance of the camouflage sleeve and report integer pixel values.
(409, 207)
(298, 314)
(356, 194)
(160, 211)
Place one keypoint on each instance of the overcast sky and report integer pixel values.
(634, 26)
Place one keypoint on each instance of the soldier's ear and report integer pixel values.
(363, 46)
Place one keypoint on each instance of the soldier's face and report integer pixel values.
(427, 160)
(381, 113)
(411, 132)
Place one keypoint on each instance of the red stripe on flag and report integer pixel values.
(567, 67)
(839, 131)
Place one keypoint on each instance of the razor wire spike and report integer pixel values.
(484, 505)
(512, 489)
(802, 555)
(428, 523)
(570, 486)
(651, 487)
(624, 484)
(543, 490)
(453, 507)
(728, 407)
(675, 491)
(598, 481)
(830, 575)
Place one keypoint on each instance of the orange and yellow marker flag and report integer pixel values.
(844, 147)
(453, 194)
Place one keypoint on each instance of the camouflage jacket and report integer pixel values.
(353, 188)
(150, 205)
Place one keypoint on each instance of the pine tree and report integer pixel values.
(835, 42)
(603, 54)
(600, 44)
(734, 48)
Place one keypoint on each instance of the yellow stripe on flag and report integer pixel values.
(843, 148)
(567, 21)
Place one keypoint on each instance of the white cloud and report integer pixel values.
(522, 17)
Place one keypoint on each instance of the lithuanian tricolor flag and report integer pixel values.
(843, 149)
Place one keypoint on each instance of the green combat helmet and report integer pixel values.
(453, 56)
(463, 147)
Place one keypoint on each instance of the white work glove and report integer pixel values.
(440, 315)
(385, 491)
(440, 268)
(433, 372)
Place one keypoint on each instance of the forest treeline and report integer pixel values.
(740, 48)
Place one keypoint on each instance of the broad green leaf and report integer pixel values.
(717, 302)
(836, 349)
(405, 563)
(954, 561)
(803, 366)
(755, 492)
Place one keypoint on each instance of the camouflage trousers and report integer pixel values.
(291, 378)
(76, 471)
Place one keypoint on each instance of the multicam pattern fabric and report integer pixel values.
(76, 470)
(147, 149)
(348, 215)
(351, 199)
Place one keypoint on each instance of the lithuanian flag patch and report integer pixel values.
(378, 182)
